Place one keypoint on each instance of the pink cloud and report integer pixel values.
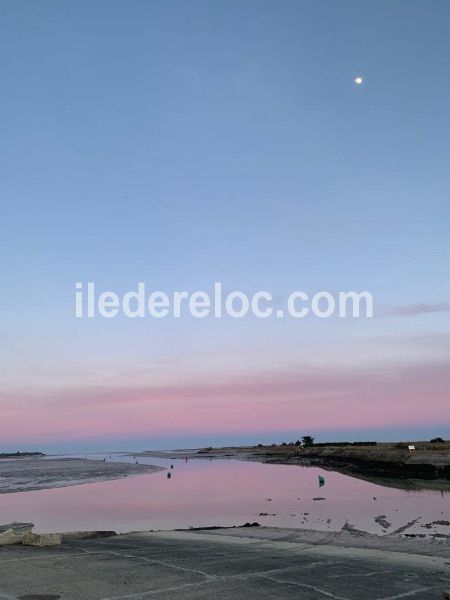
(408, 395)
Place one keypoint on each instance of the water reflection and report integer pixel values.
(226, 492)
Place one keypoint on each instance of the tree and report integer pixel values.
(308, 441)
(437, 440)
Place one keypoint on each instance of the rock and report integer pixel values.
(13, 533)
(21, 533)
(381, 520)
(42, 539)
(17, 527)
(10, 537)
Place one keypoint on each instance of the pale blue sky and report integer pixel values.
(180, 143)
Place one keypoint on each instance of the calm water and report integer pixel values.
(225, 492)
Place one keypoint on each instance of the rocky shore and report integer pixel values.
(392, 464)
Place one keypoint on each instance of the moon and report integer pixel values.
(358, 80)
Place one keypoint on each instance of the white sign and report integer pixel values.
(412, 447)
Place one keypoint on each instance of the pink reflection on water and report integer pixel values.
(206, 493)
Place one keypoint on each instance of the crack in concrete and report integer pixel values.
(358, 574)
(174, 588)
(223, 578)
(308, 586)
(157, 562)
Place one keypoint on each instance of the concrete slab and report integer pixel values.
(210, 565)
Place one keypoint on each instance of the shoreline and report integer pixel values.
(390, 465)
(33, 474)
(347, 536)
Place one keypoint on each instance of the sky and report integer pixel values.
(182, 143)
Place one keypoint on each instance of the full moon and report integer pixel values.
(358, 80)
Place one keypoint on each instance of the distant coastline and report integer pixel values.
(428, 461)
(391, 464)
(20, 454)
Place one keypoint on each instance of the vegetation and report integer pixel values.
(321, 444)
(19, 454)
(308, 441)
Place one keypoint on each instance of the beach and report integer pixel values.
(28, 474)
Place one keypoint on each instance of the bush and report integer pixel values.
(308, 441)
(321, 444)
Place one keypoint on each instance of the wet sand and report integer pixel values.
(27, 474)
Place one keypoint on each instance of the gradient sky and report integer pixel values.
(182, 143)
